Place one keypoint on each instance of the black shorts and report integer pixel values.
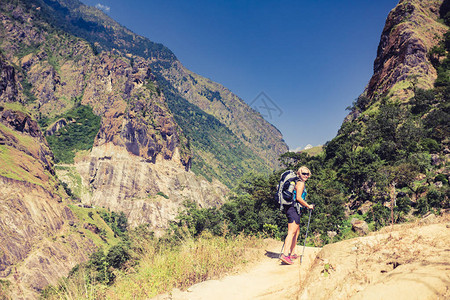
(292, 214)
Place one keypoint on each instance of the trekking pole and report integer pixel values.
(304, 244)
(282, 247)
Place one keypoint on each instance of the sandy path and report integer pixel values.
(266, 279)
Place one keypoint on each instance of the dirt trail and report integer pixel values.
(408, 261)
(266, 279)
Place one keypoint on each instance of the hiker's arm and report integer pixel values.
(299, 187)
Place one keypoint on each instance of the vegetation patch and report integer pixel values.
(147, 266)
(162, 195)
(93, 226)
(4, 288)
(75, 136)
(72, 181)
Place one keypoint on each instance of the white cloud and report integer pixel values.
(105, 8)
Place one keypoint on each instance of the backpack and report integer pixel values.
(285, 188)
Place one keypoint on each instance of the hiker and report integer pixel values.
(292, 212)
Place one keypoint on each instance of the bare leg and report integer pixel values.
(293, 229)
(294, 240)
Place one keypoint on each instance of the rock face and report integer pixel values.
(8, 87)
(134, 111)
(402, 57)
(148, 193)
(32, 214)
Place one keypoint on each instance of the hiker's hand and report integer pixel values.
(310, 206)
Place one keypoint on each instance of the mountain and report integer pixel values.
(392, 149)
(251, 143)
(126, 125)
(403, 63)
(34, 220)
(75, 63)
(92, 124)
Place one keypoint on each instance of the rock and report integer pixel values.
(331, 234)
(146, 192)
(359, 226)
(31, 211)
(365, 207)
(403, 51)
(428, 219)
(8, 82)
(436, 159)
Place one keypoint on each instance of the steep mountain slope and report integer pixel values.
(250, 142)
(140, 155)
(392, 151)
(32, 213)
(239, 124)
(402, 61)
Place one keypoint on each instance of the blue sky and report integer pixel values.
(311, 59)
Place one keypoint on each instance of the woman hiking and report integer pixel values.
(292, 212)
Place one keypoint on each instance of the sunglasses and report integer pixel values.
(305, 174)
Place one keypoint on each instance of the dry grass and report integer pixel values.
(163, 267)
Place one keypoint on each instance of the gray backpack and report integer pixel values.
(285, 188)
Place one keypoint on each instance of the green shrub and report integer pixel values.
(422, 206)
(403, 204)
(75, 136)
(434, 198)
(271, 230)
(442, 178)
(162, 195)
(430, 145)
(117, 222)
(117, 256)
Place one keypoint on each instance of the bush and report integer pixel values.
(75, 136)
(430, 145)
(403, 204)
(118, 222)
(117, 256)
(100, 268)
(380, 215)
(442, 178)
(434, 198)
(422, 206)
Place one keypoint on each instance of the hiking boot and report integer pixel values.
(293, 256)
(285, 259)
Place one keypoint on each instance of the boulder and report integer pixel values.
(365, 207)
(359, 226)
(331, 234)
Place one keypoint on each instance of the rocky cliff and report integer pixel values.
(402, 61)
(260, 143)
(45, 73)
(64, 72)
(32, 213)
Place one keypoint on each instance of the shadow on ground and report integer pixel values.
(273, 254)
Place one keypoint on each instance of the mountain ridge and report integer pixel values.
(164, 63)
